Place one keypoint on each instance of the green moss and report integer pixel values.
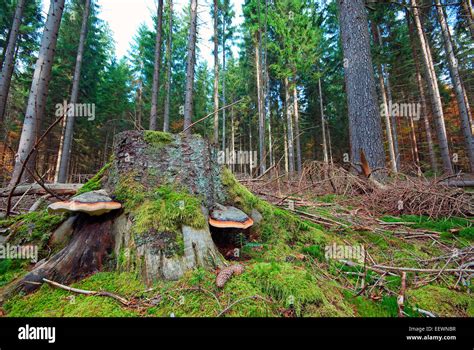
(283, 282)
(11, 269)
(316, 251)
(53, 302)
(168, 210)
(442, 301)
(130, 192)
(95, 183)
(439, 225)
(157, 138)
(34, 228)
(239, 194)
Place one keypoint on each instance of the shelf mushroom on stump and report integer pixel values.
(91, 243)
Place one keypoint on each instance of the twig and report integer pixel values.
(240, 300)
(120, 299)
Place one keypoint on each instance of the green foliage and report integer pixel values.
(95, 183)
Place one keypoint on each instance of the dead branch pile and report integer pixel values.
(404, 195)
(422, 197)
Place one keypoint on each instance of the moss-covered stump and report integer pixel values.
(167, 184)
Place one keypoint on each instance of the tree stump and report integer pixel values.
(167, 184)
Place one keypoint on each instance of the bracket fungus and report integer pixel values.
(229, 217)
(94, 203)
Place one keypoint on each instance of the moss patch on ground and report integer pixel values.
(442, 301)
(53, 302)
(32, 228)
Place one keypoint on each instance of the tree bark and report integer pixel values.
(297, 130)
(364, 117)
(289, 129)
(383, 93)
(190, 62)
(216, 74)
(432, 82)
(424, 106)
(463, 105)
(39, 86)
(260, 107)
(169, 58)
(469, 14)
(323, 124)
(8, 61)
(156, 68)
(69, 129)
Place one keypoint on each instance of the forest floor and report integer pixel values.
(313, 255)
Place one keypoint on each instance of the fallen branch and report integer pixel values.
(64, 189)
(401, 295)
(120, 299)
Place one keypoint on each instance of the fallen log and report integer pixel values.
(458, 183)
(61, 189)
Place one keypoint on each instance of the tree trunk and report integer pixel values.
(297, 130)
(216, 75)
(190, 62)
(289, 129)
(364, 116)
(169, 58)
(432, 83)
(260, 107)
(424, 106)
(8, 61)
(469, 14)
(458, 85)
(224, 51)
(69, 130)
(156, 68)
(383, 93)
(39, 86)
(323, 124)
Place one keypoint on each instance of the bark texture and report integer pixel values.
(39, 86)
(364, 117)
(65, 153)
(156, 68)
(191, 60)
(9, 58)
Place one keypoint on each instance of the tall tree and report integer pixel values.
(157, 67)
(216, 72)
(65, 153)
(190, 62)
(39, 87)
(8, 59)
(169, 57)
(463, 104)
(432, 83)
(364, 117)
(385, 102)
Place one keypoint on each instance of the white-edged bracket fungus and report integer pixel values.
(229, 217)
(94, 203)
